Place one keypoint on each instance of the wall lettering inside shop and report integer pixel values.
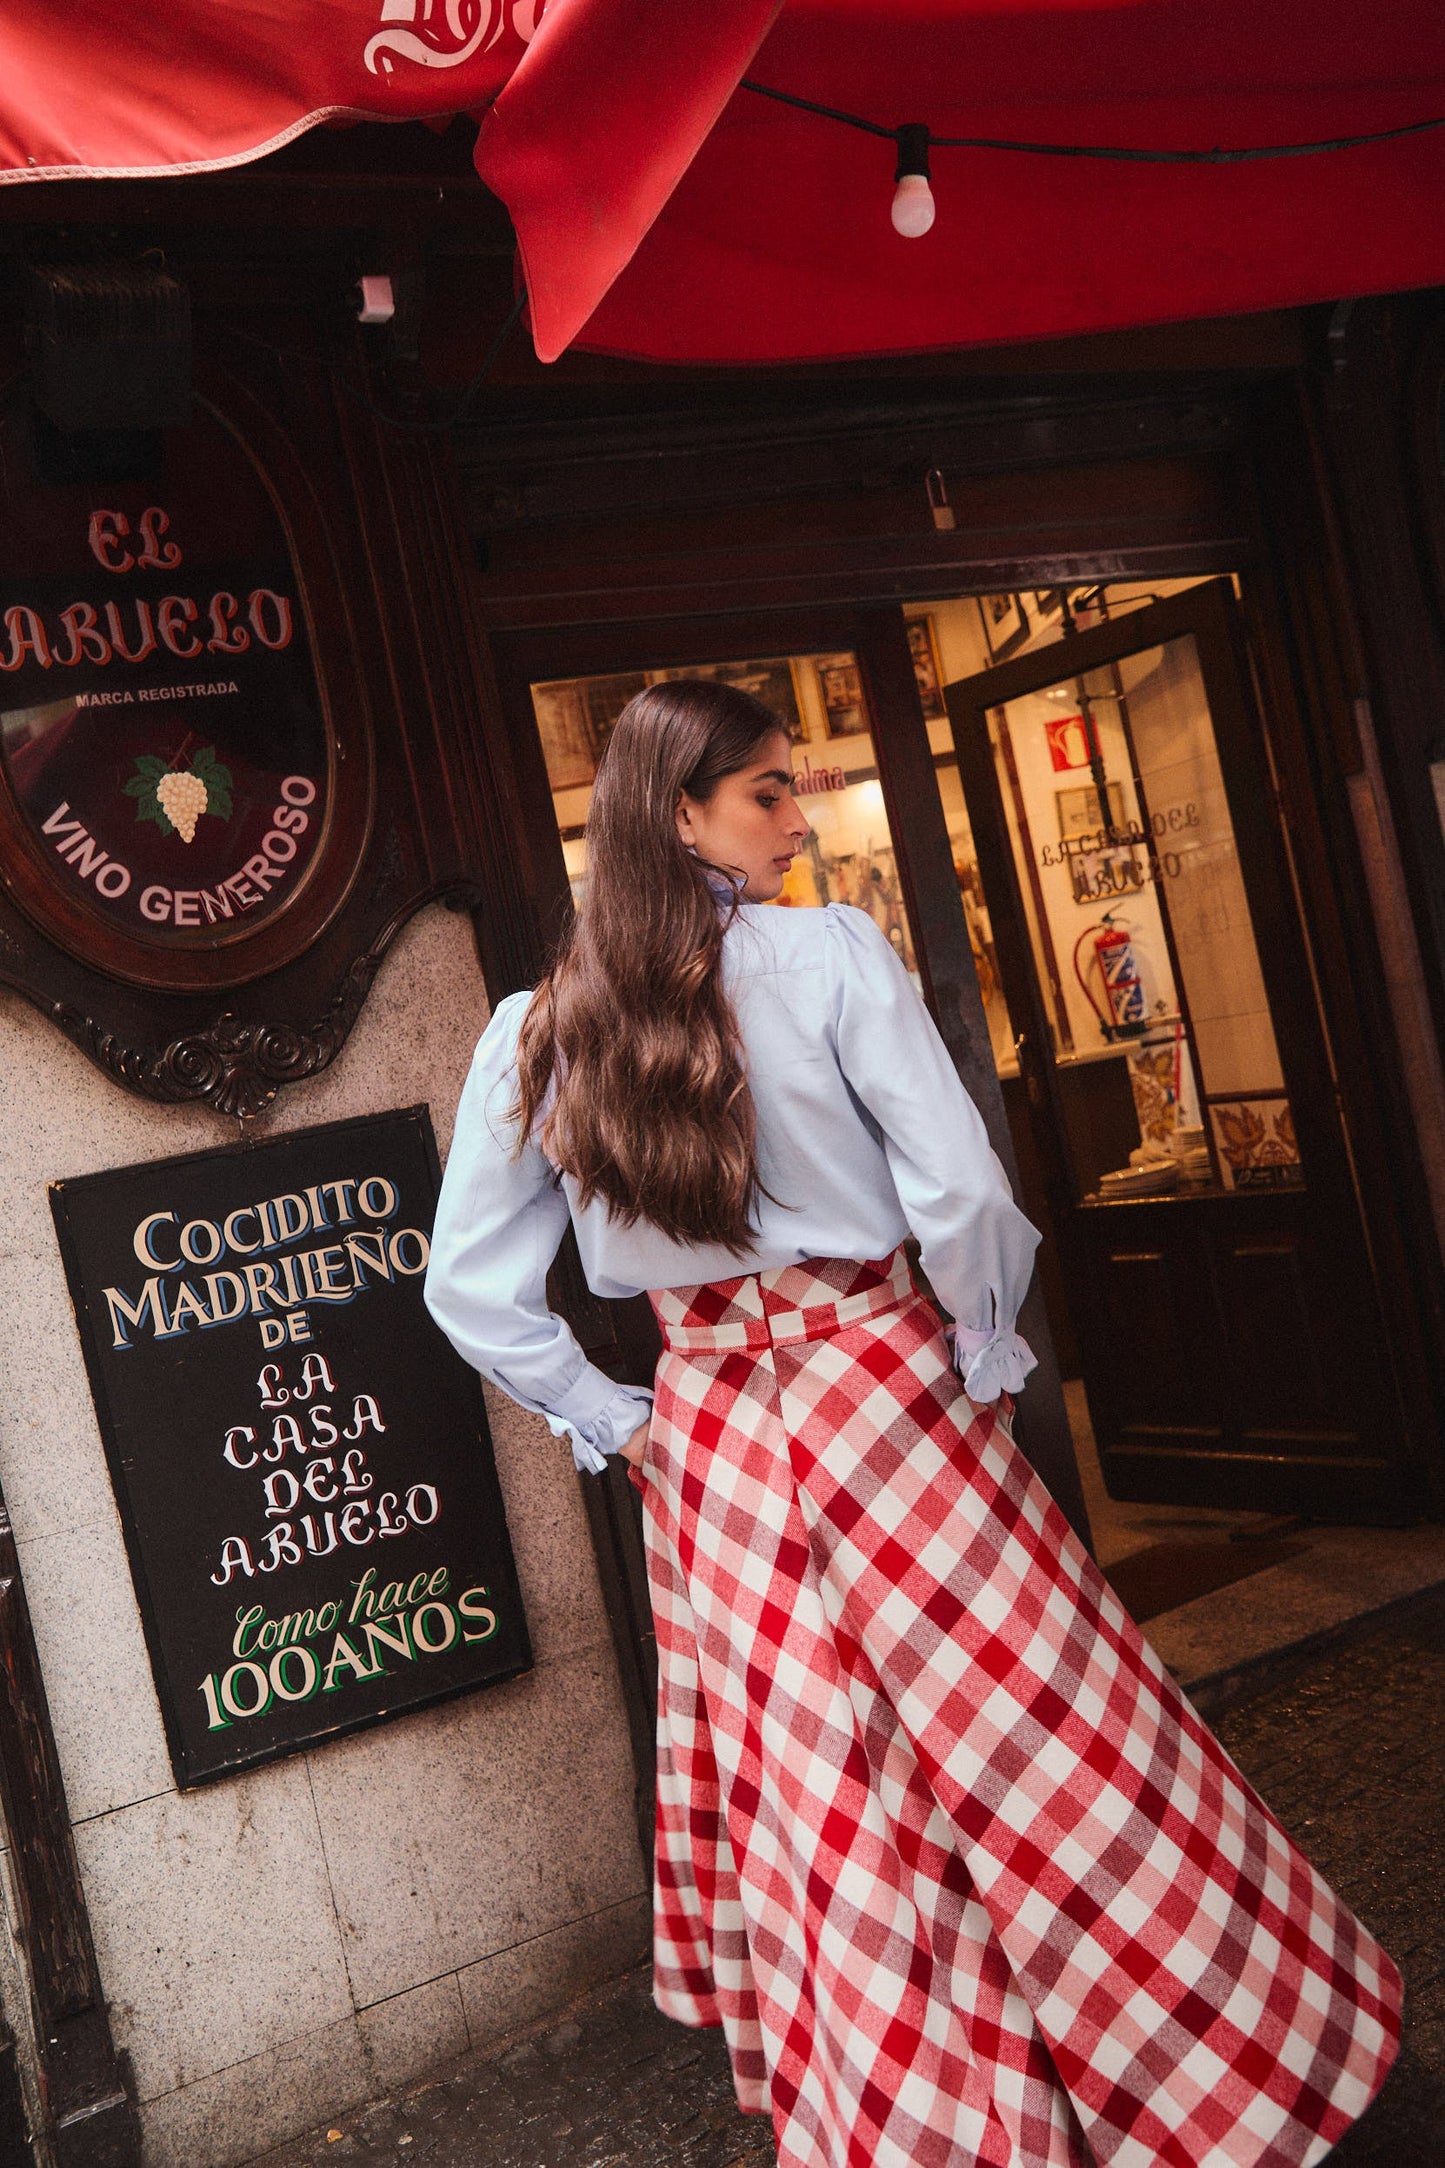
(1122, 859)
(301, 1462)
(808, 780)
(1172, 821)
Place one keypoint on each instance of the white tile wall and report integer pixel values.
(278, 1946)
(521, 1797)
(103, 1704)
(513, 1986)
(258, 2103)
(407, 2032)
(214, 1923)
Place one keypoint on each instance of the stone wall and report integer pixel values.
(282, 1944)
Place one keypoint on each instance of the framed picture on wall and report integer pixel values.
(841, 686)
(1255, 1139)
(770, 681)
(606, 698)
(923, 645)
(1080, 812)
(562, 724)
(1004, 624)
(1048, 602)
(574, 721)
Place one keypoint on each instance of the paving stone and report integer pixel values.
(1350, 1753)
(1349, 1750)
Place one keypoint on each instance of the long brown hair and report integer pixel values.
(629, 1052)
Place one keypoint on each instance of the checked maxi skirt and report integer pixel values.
(940, 1845)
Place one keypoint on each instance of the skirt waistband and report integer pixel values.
(808, 1301)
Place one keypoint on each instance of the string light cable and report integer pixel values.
(913, 205)
(362, 396)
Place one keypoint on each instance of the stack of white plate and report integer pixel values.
(1150, 1178)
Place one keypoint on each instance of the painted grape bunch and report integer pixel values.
(175, 798)
(185, 798)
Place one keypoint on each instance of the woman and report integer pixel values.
(939, 1844)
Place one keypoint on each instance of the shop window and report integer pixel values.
(1138, 922)
(820, 701)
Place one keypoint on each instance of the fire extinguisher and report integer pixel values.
(1122, 1013)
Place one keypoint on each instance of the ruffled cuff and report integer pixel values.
(603, 1431)
(991, 1363)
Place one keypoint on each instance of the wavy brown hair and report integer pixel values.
(629, 1065)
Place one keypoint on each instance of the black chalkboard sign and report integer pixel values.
(301, 1461)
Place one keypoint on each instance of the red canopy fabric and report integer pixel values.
(665, 213)
(113, 89)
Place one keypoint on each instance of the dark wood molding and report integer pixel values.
(538, 468)
(383, 569)
(926, 569)
(1426, 393)
(614, 1517)
(1301, 611)
(1369, 395)
(237, 1067)
(90, 2115)
(770, 503)
(459, 769)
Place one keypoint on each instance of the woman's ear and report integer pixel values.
(684, 820)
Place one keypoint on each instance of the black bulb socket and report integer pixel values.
(913, 139)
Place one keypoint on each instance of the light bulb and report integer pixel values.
(913, 206)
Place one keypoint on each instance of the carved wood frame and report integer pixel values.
(383, 568)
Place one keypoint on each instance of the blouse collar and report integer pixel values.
(726, 887)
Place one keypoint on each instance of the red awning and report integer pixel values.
(664, 211)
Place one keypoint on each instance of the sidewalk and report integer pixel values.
(1280, 1587)
(609, 2084)
(1348, 1747)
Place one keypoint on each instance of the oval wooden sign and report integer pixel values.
(173, 801)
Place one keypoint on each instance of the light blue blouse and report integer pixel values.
(864, 1134)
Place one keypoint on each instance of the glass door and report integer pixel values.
(1153, 963)
(821, 701)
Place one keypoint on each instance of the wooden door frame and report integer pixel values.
(1303, 602)
(87, 2113)
(907, 774)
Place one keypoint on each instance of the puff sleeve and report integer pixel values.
(500, 1219)
(977, 1247)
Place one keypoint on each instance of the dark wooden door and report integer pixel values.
(1154, 960)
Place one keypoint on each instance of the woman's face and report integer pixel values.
(752, 823)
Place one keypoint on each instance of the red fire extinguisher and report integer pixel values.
(1122, 1014)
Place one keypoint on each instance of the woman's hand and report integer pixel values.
(636, 1445)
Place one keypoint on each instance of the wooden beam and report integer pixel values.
(91, 2118)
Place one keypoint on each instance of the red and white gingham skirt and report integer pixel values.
(940, 1844)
